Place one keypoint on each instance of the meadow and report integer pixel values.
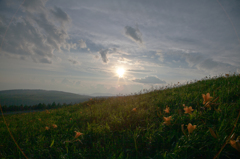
(199, 119)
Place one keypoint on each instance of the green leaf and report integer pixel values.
(52, 143)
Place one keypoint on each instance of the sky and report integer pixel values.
(78, 46)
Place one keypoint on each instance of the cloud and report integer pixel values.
(208, 64)
(34, 5)
(73, 61)
(83, 44)
(149, 80)
(60, 14)
(133, 34)
(160, 56)
(103, 54)
(139, 71)
(45, 60)
(34, 36)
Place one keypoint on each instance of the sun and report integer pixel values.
(120, 72)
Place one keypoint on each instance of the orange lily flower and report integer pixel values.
(167, 110)
(190, 128)
(235, 144)
(54, 125)
(206, 98)
(134, 109)
(78, 134)
(188, 109)
(167, 120)
(46, 128)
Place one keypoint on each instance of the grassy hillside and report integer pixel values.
(32, 97)
(152, 124)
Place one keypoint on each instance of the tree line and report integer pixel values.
(40, 106)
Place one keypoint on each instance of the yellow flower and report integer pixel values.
(78, 134)
(188, 109)
(190, 128)
(54, 125)
(167, 120)
(167, 110)
(46, 128)
(134, 109)
(206, 98)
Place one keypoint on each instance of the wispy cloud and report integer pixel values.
(82, 44)
(150, 80)
(103, 54)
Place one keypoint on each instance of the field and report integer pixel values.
(153, 124)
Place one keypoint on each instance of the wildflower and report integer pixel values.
(227, 75)
(190, 128)
(183, 105)
(40, 119)
(167, 120)
(77, 134)
(54, 125)
(235, 144)
(167, 110)
(47, 112)
(206, 98)
(208, 105)
(70, 118)
(134, 109)
(46, 128)
(188, 109)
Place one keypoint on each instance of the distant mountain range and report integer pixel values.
(33, 97)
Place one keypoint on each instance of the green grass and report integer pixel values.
(112, 130)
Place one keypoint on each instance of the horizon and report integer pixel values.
(112, 47)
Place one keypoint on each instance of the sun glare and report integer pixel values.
(120, 72)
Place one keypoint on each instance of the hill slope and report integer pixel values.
(156, 124)
(32, 97)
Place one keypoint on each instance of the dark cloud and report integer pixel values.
(103, 54)
(133, 34)
(60, 14)
(73, 61)
(150, 80)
